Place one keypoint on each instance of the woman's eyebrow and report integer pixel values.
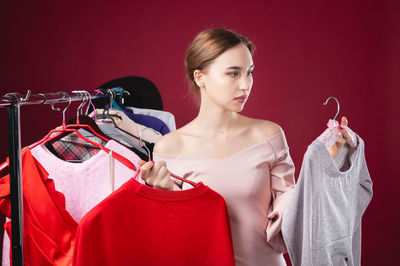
(238, 67)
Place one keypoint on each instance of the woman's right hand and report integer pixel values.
(156, 174)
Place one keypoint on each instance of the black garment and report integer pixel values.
(143, 93)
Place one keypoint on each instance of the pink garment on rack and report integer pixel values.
(124, 122)
(83, 184)
(256, 184)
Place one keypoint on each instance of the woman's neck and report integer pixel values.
(213, 121)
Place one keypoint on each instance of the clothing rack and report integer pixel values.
(13, 103)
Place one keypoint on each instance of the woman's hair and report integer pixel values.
(207, 46)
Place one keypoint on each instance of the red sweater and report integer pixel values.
(49, 230)
(140, 225)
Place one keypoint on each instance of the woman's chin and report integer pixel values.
(238, 109)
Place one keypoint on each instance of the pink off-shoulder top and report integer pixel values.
(256, 184)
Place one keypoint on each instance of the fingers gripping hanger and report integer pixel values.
(338, 106)
(106, 112)
(148, 154)
(64, 128)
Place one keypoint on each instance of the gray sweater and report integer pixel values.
(322, 224)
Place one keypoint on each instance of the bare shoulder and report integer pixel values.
(263, 129)
(267, 128)
(170, 143)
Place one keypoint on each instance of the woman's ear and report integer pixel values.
(198, 78)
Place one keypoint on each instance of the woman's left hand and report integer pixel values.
(334, 150)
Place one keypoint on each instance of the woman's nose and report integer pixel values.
(245, 83)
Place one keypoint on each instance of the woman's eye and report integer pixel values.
(250, 73)
(233, 74)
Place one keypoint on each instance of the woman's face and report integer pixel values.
(227, 81)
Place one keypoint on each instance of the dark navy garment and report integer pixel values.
(148, 121)
(145, 120)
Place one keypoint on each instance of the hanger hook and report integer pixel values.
(338, 106)
(65, 109)
(112, 96)
(141, 141)
(28, 95)
(44, 97)
(84, 101)
(53, 103)
(55, 108)
(123, 95)
(81, 104)
(89, 102)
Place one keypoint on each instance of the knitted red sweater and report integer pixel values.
(140, 225)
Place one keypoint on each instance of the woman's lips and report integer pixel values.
(240, 99)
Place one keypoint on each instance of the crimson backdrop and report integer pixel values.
(306, 52)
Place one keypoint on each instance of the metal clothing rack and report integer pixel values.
(13, 103)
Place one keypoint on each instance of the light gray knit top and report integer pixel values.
(322, 224)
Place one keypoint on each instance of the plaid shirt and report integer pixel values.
(74, 148)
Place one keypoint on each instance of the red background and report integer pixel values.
(306, 52)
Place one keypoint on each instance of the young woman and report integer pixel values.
(245, 160)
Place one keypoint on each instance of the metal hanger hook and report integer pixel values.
(54, 108)
(65, 109)
(141, 141)
(112, 96)
(52, 104)
(27, 96)
(123, 95)
(89, 101)
(82, 103)
(44, 97)
(338, 105)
